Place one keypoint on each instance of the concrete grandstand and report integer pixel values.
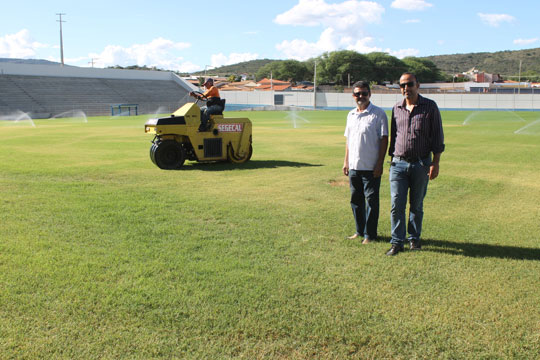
(45, 91)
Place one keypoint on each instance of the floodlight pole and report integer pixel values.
(61, 39)
(519, 78)
(315, 86)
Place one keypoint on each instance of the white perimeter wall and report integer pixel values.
(340, 100)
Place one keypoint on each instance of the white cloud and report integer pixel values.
(363, 46)
(344, 16)
(299, 49)
(495, 20)
(72, 60)
(400, 54)
(525, 41)
(343, 25)
(233, 58)
(19, 45)
(411, 4)
(159, 53)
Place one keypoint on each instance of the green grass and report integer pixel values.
(103, 255)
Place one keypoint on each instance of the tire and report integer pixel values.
(238, 160)
(152, 152)
(167, 155)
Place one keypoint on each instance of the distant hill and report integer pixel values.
(29, 61)
(246, 67)
(505, 63)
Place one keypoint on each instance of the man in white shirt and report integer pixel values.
(367, 140)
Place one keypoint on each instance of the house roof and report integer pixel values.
(303, 88)
(247, 83)
(234, 88)
(274, 87)
(266, 81)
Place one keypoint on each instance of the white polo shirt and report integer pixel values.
(364, 131)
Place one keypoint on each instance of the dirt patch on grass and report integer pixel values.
(340, 182)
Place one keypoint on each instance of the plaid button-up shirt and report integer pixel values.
(418, 133)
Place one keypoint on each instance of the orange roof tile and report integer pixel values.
(266, 81)
(274, 87)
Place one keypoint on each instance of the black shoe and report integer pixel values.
(394, 250)
(415, 244)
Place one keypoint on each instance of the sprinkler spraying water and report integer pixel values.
(486, 117)
(295, 118)
(530, 129)
(516, 117)
(72, 115)
(161, 110)
(470, 117)
(17, 118)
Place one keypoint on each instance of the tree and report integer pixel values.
(292, 70)
(345, 67)
(286, 70)
(386, 67)
(424, 69)
(530, 75)
(267, 70)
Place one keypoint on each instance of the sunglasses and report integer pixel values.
(409, 84)
(363, 93)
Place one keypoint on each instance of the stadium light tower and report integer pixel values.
(61, 40)
(315, 86)
(519, 78)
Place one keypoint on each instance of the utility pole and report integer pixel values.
(92, 61)
(519, 78)
(315, 86)
(207, 67)
(61, 39)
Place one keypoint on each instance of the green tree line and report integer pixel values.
(344, 67)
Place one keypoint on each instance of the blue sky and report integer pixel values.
(190, 36)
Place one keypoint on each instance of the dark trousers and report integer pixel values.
(206, 111)
(365, 202)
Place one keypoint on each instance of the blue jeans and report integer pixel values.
(206, 111)
(365, 202)
(408, 177)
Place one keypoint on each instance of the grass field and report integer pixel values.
(105, 256)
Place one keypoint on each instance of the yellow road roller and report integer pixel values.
(177, 138)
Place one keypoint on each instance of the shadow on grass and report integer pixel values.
(473, 250)
(252, 164)
(481, 250)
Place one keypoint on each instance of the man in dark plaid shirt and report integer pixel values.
(415, 134)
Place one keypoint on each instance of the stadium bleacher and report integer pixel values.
(47, 96)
